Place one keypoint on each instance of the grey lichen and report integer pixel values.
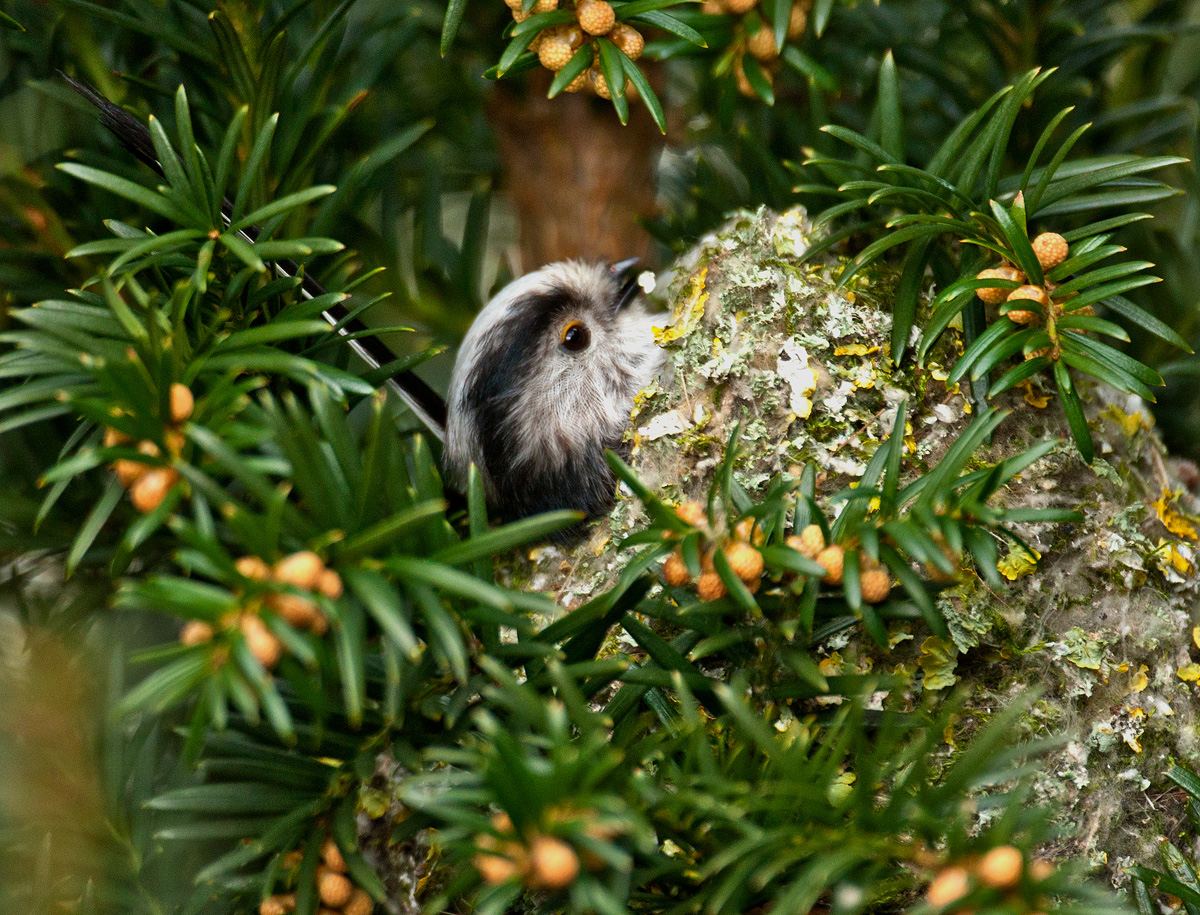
(1099, 618)
(406, 867)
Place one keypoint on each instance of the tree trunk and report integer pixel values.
(578, 179)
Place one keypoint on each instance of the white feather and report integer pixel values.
(564, 400)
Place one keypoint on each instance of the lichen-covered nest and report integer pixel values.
(1101, 621)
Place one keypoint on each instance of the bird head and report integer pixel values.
(544, 381)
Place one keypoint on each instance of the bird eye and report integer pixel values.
(576, 337)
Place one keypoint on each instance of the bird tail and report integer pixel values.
(129, 130)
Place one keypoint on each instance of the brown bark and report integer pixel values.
(577, 178)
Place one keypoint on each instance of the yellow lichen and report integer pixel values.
(1172, 555)
(865, 380)
(1189, 673)
(1173, 520)
(687, 312)
(831, 666)
(1128, 423)
(856, 349)
(1140, 680)
(939, 658)
(1019, 562)
(1034, 398)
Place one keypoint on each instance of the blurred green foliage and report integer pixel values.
(693, 773)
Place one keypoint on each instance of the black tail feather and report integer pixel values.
(129, 130)
(425, 403)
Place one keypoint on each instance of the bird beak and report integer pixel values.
(626, 272)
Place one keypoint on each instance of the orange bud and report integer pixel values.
(128, 471)
(151, 488)
(692, 513)
(710, 587)
(876, 585)
(196, 632)
(949, 886)
(675, 570)
(262, 642)
(994, 295)
(554, 863)
(1051, 249)
(360, 903)
(182, 403)
(253, 568)
(833, 558)
(301, 569)
(1001, 867)
(112, 438)
(334, 889)
(330, 584)
(279, 904)
(810, 542)
(332, 856)
(745, 561)
(297, 611)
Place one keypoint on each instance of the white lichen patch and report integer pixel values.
(793, 369)
(669, 423)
